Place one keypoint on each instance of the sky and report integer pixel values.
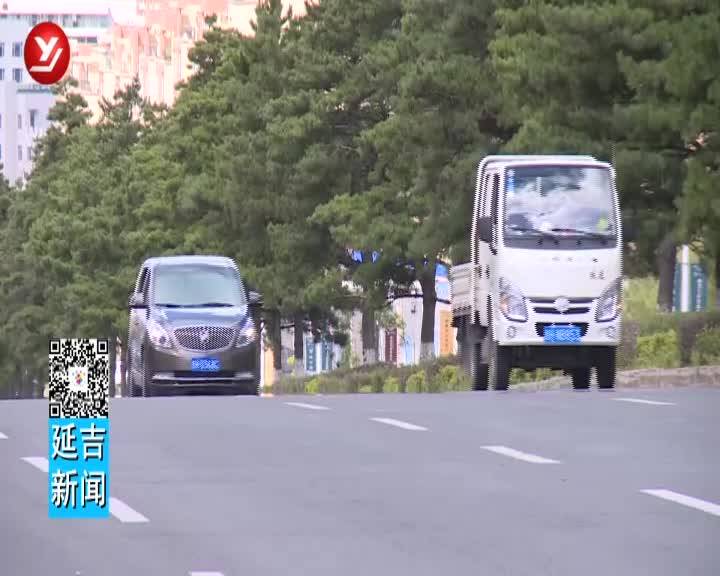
(119, 8)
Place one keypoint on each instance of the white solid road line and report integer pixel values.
(39, 462)
(124, 513)
(696, 503)
(3, 437)
(118, 508)
(399, 424)
(642, 401)
(206, 574)
(505, 451)
(308, 406)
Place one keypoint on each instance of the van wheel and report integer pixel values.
(580, 378)
(606, 369)
(500, 366)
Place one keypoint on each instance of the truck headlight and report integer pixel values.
(246, 335)
(608, 306)
(158, 335)
(512, 302)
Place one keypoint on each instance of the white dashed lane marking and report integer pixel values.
(524, 456)
(124, 513)
(118, 508)
(399, 424)
(3, 437)
(307, 406)
(643, 401)
(689, 501)
(39, 463)
(206, 574)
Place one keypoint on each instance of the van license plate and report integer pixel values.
(562, 334)
(205, 365)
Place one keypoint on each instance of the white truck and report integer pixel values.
(543, 286)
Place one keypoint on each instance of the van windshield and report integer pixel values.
(197, 285)
(559, 201)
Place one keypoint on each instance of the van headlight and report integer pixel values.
(246, 335)
(158, 335)
(512, 302)
(609, 305)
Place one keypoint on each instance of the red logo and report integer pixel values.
(47, 53)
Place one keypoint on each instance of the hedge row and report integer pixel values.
(671, 340)
(662, 341)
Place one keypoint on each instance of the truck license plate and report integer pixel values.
(562, 334)
(205, 365)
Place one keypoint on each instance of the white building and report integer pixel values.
(24, 104)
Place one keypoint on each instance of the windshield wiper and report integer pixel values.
(533, 230)
(168, 305)
(585, 233)
(215, 305)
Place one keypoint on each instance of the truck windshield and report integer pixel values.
(559, 201)
(183, 285)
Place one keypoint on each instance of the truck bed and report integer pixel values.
(460, 289)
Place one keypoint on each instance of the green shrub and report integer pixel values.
(707, 347)
(417, 382)
(690, 326)
(365, 389)
(391, 385)
(450, 378)
(658, 350)
(312, 386)
(640, 298)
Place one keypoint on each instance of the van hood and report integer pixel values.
(213, 316)
(554, 273)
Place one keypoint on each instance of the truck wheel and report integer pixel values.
(499, 370)
(580, 378)
(479, 371)
(606, 369)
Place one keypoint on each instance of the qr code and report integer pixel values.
(79, 378)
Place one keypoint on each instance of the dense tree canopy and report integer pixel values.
(357, 126)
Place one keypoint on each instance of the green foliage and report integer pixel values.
(707, 347)
(360, 126)
(659, 350)
(417, 382)
(391, 385)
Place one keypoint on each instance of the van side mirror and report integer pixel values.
(137, 301)
(485, 229)
(255, 298)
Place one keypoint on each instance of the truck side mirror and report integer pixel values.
(485, 229)
(137, 301)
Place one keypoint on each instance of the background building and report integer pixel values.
(24, 104)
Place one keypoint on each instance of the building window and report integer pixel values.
(17, 75)
(0, 151)
(2, 74)
(33, 115)
(29, 153)
(17, 49)
(2, 49)
(0, 121)
(20, 153)
(19, 121)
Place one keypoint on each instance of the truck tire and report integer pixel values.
(479, 371)
(605, 369)
(580, 378)
(500, 366)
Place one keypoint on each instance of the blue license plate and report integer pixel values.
(205, 365)
(562, 334)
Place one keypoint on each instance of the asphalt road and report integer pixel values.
(519, 483)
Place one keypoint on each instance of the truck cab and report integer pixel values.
(543, 286)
